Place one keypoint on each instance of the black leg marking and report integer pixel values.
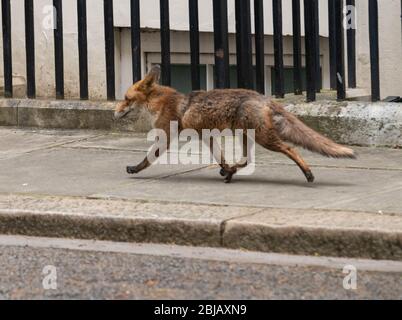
(229, 177)
(132, 170)
(310, 176)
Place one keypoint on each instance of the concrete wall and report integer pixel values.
(179, 15)
(390, 47)
(44, 50)
(97, 82)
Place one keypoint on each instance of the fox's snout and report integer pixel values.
(122, 110)
(119, 115)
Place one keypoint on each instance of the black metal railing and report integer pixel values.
(222, 78)
(109, 49)
(374, 50)
(194, 44)
(340, 54)
(82, 48)
(244, 38)
(136, 40)
(244, 44)
(58, 50)
(297, 49)
(351, 46)
(30, 48)
(259, 45)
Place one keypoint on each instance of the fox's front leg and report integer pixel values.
(140, 167)
(226, 170)
(247, 144)
(229, 171)
(156, 151)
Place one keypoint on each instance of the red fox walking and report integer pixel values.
(227, 109)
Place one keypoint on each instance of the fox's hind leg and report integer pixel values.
(292, 154)
(273, 143)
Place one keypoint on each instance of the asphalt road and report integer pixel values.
(105, 270)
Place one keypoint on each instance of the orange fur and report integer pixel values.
(227, 109)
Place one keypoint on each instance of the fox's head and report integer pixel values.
(137, 95)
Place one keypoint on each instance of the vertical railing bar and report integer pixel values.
(248, 47)
(109, 49)
(297, 57)
(194, 44)
(221, 43)
(310, 55)
(278, 49)
(317, 46)
(259, 45)
(351, 45)
(244, 46)
(340, 59)
(7, 49)
(165, 42)
(58, 49)
(83, 48)
(374, 50)
(135, 40)
(30, 48)
(239, 46)
(332, 43)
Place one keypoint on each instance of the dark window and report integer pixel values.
(288, 73)
(181, 77)
(233, 76)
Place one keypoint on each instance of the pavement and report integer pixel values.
(44, 268)
(73, 184)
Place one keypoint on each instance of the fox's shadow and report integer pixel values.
(247, 180)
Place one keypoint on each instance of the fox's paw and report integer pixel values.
(229, 178)
(228, 174)
(310, 176)
(132, 170)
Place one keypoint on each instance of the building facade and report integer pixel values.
(390, 45)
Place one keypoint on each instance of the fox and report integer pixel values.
(226, 109)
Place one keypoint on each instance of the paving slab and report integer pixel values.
(279, 186)
(76, 172)
(367, 158)
(16, 142)
(116, 141)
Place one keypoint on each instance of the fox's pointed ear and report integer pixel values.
(153, 76)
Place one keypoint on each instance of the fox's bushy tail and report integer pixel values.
(293, 130)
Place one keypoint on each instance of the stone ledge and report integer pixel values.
(67, 114)
(312, 232)
(9, 112)
(354, 123)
